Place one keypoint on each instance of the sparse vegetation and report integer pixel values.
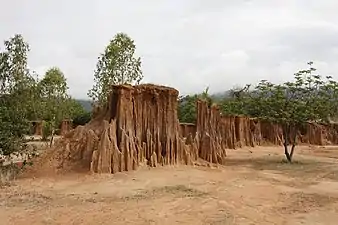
(212, 196)
(15, 95)
(117, 65)
(82, 119)
(187, 106)
(24, 97)
(308, 98)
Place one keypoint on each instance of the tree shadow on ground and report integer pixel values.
(303, 168)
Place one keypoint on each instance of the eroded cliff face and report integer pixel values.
(65, 126)
(187, 129)
(143, 128)
(139, 126)
(231, 132)
(211, 131)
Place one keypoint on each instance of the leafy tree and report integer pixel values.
(13, 69)
(56, 103)
(117, 65)
(13, 126)
(237, 102)
(54, 98)
(74, 109)
(15, 82)
(309, 98)
(82, 119)
(54, 84)
(187, 112)
(206, 97)
(33, 103)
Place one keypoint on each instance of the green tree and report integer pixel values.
(117, 65)
(57, 104)
(33, 98)
(309, 98)
(74, 109)
(186, 111)
(205, 96)
(54, 84)
(54, 98)
(237, 101)
(82, 119)
(15, 83)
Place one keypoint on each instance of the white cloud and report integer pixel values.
(187, 44)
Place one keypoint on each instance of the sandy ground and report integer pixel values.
(255, 187)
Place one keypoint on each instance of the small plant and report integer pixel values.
(49, 131)
(82, 119)
(46, 131)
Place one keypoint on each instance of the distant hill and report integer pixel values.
(86, 104)
(221, 95)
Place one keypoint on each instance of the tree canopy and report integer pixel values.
(117, 65)
(187, 111)
(23, 97)
(15, 82)
(309, 97)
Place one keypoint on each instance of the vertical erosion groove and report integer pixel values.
(139, 126)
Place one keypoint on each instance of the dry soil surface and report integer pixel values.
(255, 187)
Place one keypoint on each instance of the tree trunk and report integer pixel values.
(52, 138)
(293, 142)
(53, 132)
(289, 131)
(286, 152)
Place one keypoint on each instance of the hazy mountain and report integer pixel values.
(221, 95)
(86, 104)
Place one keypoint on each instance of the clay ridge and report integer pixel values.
(139, 126)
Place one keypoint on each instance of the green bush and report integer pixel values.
(47, 130)
(82, 119)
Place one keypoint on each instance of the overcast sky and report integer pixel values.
(187, 44)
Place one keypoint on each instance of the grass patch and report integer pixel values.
(176, 191)
(301, 202)
(35, 199)
(222, 218)
(8, 173)
(179, 191)
(331, 175)
(29, 199)
(304, 168)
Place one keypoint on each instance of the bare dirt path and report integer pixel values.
(253, 188)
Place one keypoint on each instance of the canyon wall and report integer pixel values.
(65, 126)
(139, 126)
(232, 132)
(187, 129)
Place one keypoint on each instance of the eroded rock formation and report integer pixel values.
(65, 126)
(139, 126)
(143, 128)
(187, 129)
(37, 127)
(231, 132)
(212, 132)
